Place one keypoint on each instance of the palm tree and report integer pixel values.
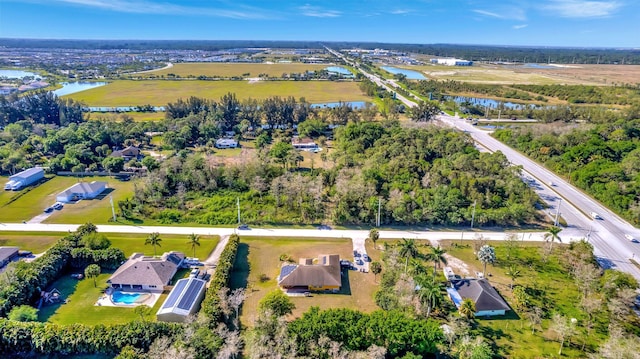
(430, 294)
(376, 268)
(467, 308)
(486, 254)
(154, 240)
(194, 240)
(374, 235)
(437, 257)
(552, 235)
(417, 267)
(514, 273)
(408, 250)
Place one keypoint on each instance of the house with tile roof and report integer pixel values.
(310, 274)
(486, 298)
(128, 153)
(142, 272)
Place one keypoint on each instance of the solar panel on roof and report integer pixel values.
(175, 294)
(190, 294)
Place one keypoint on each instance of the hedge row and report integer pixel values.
(31, 278)
(211, 303)
(110, 258)
(19, 338)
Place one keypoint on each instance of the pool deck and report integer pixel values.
(105, 300)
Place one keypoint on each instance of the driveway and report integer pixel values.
(358, 245)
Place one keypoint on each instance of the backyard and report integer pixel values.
(257, 267)
(160, 92)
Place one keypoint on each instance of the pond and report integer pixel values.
(539, 66)
(353, 104)
(73, 87)
(485, 102)
(411, 75)
(17, 74)
(339, 70)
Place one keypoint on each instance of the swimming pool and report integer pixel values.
(128, 298)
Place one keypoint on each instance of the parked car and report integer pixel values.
(365, 257)
(324, 227)
(359, 262)
(48, 210)
(57, 206)
(244, 227)
(356, 254)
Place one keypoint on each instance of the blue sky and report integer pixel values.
(493, 22)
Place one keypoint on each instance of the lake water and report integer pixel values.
(17, 74)
(73, 87)
(353, 104)
(411, 75)
(340, 70)
(539, 66)
(485, 102)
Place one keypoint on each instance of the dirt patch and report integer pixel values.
(458, 266)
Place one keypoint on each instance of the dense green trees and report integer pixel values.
(601, 159)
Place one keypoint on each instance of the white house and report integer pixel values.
(184, 300)
(24, 178)
(146, 273)
(82, 190)
(452, 62)
(226, 143)
(303, 144)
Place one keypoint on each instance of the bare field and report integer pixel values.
(562, 74)
(161, 92)
(231, 69)
(136, 116)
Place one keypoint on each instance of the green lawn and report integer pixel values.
(259, 256)
(159, 92)
(558, 292)
(32, 200)
(96, 210)
(36, 242)
(132, 243)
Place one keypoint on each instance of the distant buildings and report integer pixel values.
(303, 144)
(24, 178)
(226, 143)
(452, 62)
(128, 154)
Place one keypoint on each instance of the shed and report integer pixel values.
(183, 300)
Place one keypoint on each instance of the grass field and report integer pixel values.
(231, 69)
(96, 210)
(36, 242)
(260, 257)
(136, 116)
(159, 93)
(513, 333)
(132, 243)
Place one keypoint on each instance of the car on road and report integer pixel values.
(551, 184)
(594, 215)
(243, 227)
(57, 206)
(48, 210)
(324, 227)
(630, 238)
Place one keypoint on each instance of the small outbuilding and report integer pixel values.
(82, 190)
(486, 298)
(183, 300)
(24, 178)
(226, 143)
(8, 254)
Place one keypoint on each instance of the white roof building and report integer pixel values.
(184, 300)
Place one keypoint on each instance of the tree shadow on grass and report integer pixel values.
(67, 286)
(241, 268)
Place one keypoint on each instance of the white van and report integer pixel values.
(594, 215)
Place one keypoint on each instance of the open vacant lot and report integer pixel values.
(257, 267)
(512, 74)
(36, 242)
(160, 92)
(231, 69)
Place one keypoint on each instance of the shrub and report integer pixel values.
(24, 313)
(211, 310)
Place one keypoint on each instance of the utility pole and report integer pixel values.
(113, 211)
(378, 218)
(238, 205)
(555, 223)
(473, 214)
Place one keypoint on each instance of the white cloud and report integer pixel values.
(150, 7)
(316, 11)
(518, 27)
(400, 12)
(504, 12)
(582, 8)
(488, 13)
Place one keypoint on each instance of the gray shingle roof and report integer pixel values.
(142, 270)
(83, 188)
(482, 293)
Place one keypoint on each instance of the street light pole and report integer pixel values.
(555, 223)
(378, 218)
(238, 205)
(473, 214)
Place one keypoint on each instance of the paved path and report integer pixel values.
(214, 257)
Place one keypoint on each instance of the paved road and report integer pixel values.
(607, 235)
